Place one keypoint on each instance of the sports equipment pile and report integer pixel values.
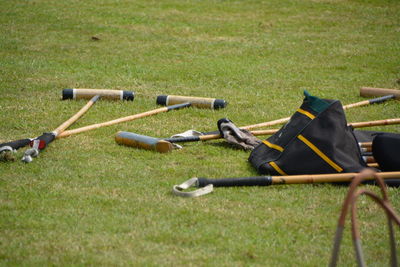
(317, 131)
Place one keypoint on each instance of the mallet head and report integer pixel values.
(103, 93)
(200, 102)
(143, 141)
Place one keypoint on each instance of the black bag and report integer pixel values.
(316, 140)
(386, 151)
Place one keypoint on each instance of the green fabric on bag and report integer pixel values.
(316, 104)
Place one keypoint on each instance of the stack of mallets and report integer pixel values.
(39, 143)
(163, 145)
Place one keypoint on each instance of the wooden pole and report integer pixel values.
(284, 120)
(75, 117)
(375, 123)
(123, 119)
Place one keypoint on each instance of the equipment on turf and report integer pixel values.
(315, 140)
(142, 141)
(370, 91)
(79, 93)
(206, 185)
(200, 102)
(349, 206)
(41, 142)
(123, 119)
(353, 105)
(163, 145)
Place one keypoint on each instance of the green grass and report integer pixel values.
(88, 201)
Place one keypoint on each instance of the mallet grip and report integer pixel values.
(229, 182)
(17, 144)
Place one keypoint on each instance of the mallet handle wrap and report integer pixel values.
(243, 181)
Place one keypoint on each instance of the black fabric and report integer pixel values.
(17, 144)
(365, 136)
(386, 151)
(327, 131)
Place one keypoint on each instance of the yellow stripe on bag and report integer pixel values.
(276, 167)
(320, 153)
(273, 146)
(305, 112)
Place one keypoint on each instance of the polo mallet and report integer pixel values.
(199, 102)
(41, 142)
(370, 91)
(123, 119)
(284, 120)
(206, 185)
(151, 143)
(74, 94)
(81, 93)
(353, 105)
(349, 206)
(273, 131)
(164, 145)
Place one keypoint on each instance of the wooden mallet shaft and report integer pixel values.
(353, 105)
(41, 142)
(123, 119)
(273, 131)
(75, 117)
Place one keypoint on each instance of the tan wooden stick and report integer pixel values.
(375, 123)
(112, 122)
(273, 131)
(326, 178)
(75, 117)
(120, 120)
(284, 120)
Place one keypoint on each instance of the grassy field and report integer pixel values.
(88, 201)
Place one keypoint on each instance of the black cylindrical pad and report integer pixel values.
(67, 94)
(17, 144)
(128, 95)
(243, 181)
(219, 103)
(162, 100)
(182, 139)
